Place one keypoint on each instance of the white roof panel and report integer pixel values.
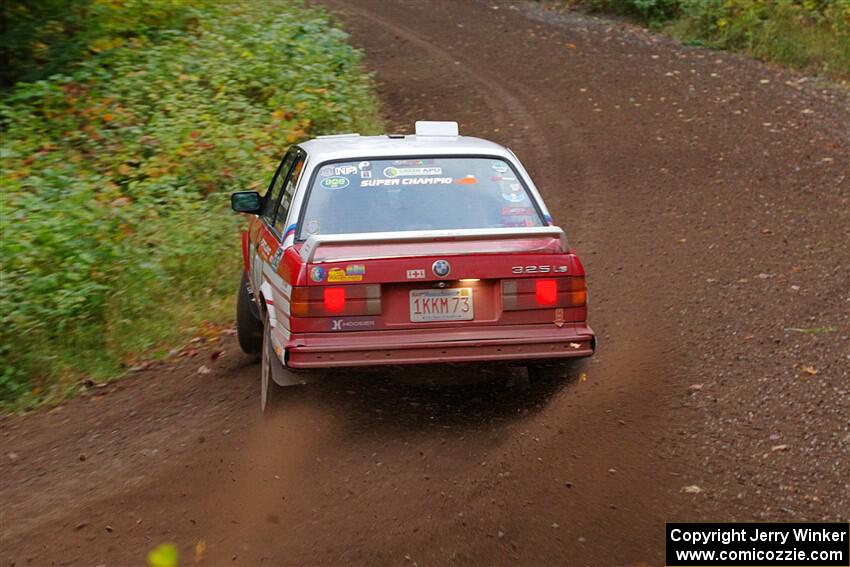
(354, 147)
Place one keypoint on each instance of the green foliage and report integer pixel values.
(648, 11)
(116, 231)
(811, 35)
(42, 37)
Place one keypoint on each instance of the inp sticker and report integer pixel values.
(345, 170)
(335, 182)
(326, 171)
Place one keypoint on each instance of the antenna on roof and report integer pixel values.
(432, 128)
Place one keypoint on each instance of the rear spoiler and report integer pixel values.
(316, 241)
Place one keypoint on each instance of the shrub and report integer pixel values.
(812, 35)
(42, 37)
(117, 235)
(648, 11)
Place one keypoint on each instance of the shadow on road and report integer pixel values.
(459, 397)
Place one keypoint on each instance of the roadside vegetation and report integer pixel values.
(810, 35)
(125, 125)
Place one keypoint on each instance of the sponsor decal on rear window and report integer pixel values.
(411, 171)
(334, 182)
(513, 193)
(406, 181)
(517, 211)
(345, 170)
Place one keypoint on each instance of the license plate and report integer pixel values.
(453, 304)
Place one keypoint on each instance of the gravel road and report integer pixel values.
(709, 197)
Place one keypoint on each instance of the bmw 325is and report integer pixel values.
(405, 249)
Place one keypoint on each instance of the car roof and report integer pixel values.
(353, 146)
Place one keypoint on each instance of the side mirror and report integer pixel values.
(246, 202)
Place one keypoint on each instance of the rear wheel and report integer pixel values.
(271, 395)
(249, 325)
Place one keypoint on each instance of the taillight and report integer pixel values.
(328, 301)
(533, 293)
(334, 299)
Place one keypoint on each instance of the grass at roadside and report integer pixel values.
(117, 239)
(809, 35)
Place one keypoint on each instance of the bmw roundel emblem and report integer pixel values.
(441, 268)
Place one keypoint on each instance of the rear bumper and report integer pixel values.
(430, 346)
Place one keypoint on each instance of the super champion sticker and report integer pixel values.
(335, 182)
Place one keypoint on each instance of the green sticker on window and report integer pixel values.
(335, 182)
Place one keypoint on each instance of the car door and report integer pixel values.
(266, 240)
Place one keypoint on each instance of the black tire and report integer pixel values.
(556, 370)
(271, 395)
(249, 325)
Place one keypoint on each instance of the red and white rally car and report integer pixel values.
(400, 249)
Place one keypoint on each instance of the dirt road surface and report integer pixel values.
(709, 197)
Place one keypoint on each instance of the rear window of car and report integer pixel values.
(390, 195)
